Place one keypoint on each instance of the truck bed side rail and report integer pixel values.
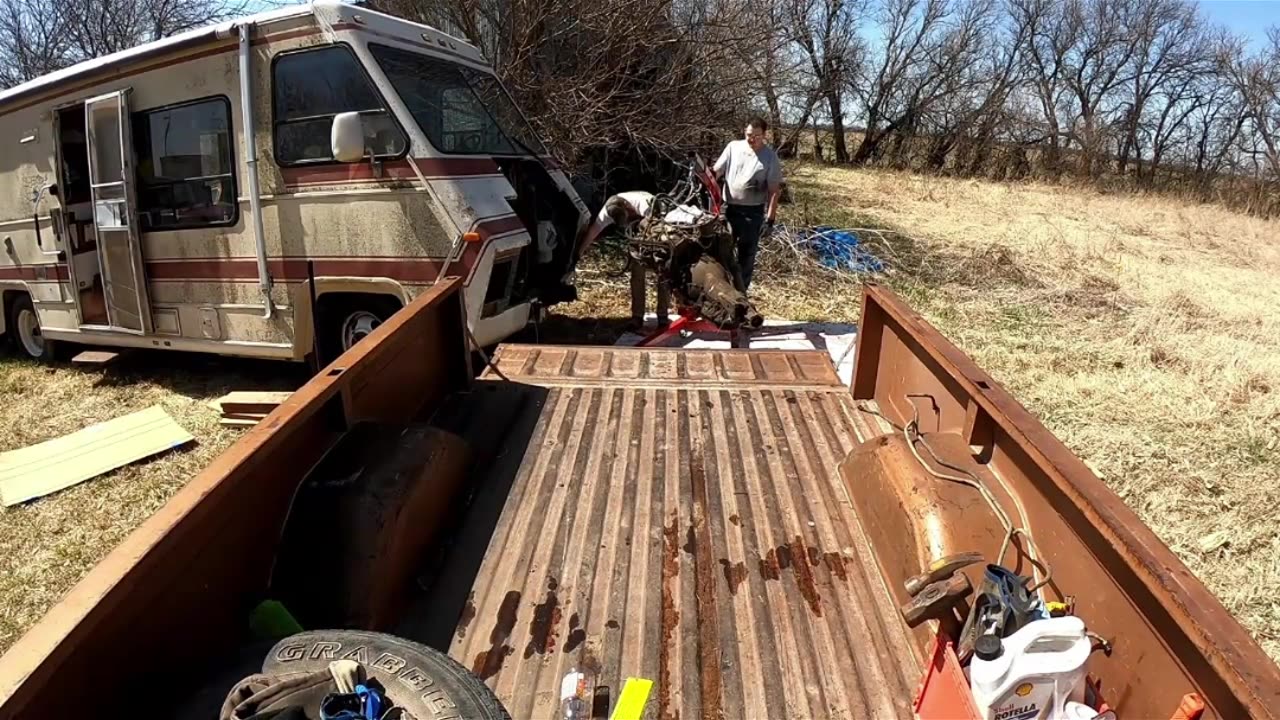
(1170, 634)
(176, 594)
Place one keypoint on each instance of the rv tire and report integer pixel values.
(347, 319)
(23, 326)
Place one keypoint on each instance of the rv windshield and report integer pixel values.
(460, 110)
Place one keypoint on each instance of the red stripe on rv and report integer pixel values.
(392, 170)
(35, 273)
(403, 269)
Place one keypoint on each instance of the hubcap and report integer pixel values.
(29, 333)
(357, 327)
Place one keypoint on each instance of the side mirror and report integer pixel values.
(346, 137)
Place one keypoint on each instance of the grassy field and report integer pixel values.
(1141, 330)
(47, 545)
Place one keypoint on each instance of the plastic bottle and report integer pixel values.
(1032, 674)
(575, 695)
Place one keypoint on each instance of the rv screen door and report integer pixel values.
(115, 214)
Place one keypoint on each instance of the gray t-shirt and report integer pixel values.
(749, 175)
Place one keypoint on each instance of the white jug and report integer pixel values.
(1036, 672)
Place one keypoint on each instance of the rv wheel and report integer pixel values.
(346, 320)
(358, 325)
(24, 326)
(423, 682)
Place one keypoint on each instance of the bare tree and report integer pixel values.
(1257, 79)
(593, 74)
(910, 30)
(39, 36)
(33, 40)
(1169, 51)
(1097, 64)
(975, 71)
(1050, 33)
(826, 33)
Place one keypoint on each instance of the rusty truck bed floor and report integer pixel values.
(671, 515)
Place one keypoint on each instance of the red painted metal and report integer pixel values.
(687, 320)
(944, 693)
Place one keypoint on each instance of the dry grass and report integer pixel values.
(48, 544)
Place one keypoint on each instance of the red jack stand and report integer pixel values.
(690, 320)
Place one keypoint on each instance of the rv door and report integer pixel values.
(115, 216)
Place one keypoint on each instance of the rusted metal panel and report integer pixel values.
(1170, 635)
(689, 533)
(658, 367)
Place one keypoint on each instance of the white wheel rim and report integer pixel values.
(357, 326)
(29, 333)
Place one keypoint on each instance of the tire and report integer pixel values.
(345, 321)
(421, 680)
(23, 326)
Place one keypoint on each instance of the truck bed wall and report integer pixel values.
(178, 591)
(1171, 636)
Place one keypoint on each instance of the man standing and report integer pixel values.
(753, 182)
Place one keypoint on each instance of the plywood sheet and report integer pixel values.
(57, 464)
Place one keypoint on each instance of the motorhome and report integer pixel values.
(272, 187)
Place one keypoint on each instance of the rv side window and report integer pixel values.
(309, 88)
(186, 165)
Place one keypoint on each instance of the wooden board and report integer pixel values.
(255, 417)
(246, 401)
(238, 422)
(60, 463)
(95, 357)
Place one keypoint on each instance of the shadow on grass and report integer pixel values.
(200, 376)
(559, 329)
(194, 375)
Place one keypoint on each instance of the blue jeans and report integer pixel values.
(745, 222)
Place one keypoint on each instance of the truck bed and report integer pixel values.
(667, 514)
(670, 515)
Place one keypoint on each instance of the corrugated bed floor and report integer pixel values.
(678, 516)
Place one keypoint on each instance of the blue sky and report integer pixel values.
(1244, 17)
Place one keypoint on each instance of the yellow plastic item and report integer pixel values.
(1056, 608)
(635, 693)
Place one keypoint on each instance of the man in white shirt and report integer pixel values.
(622, 209)
(753, 183)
